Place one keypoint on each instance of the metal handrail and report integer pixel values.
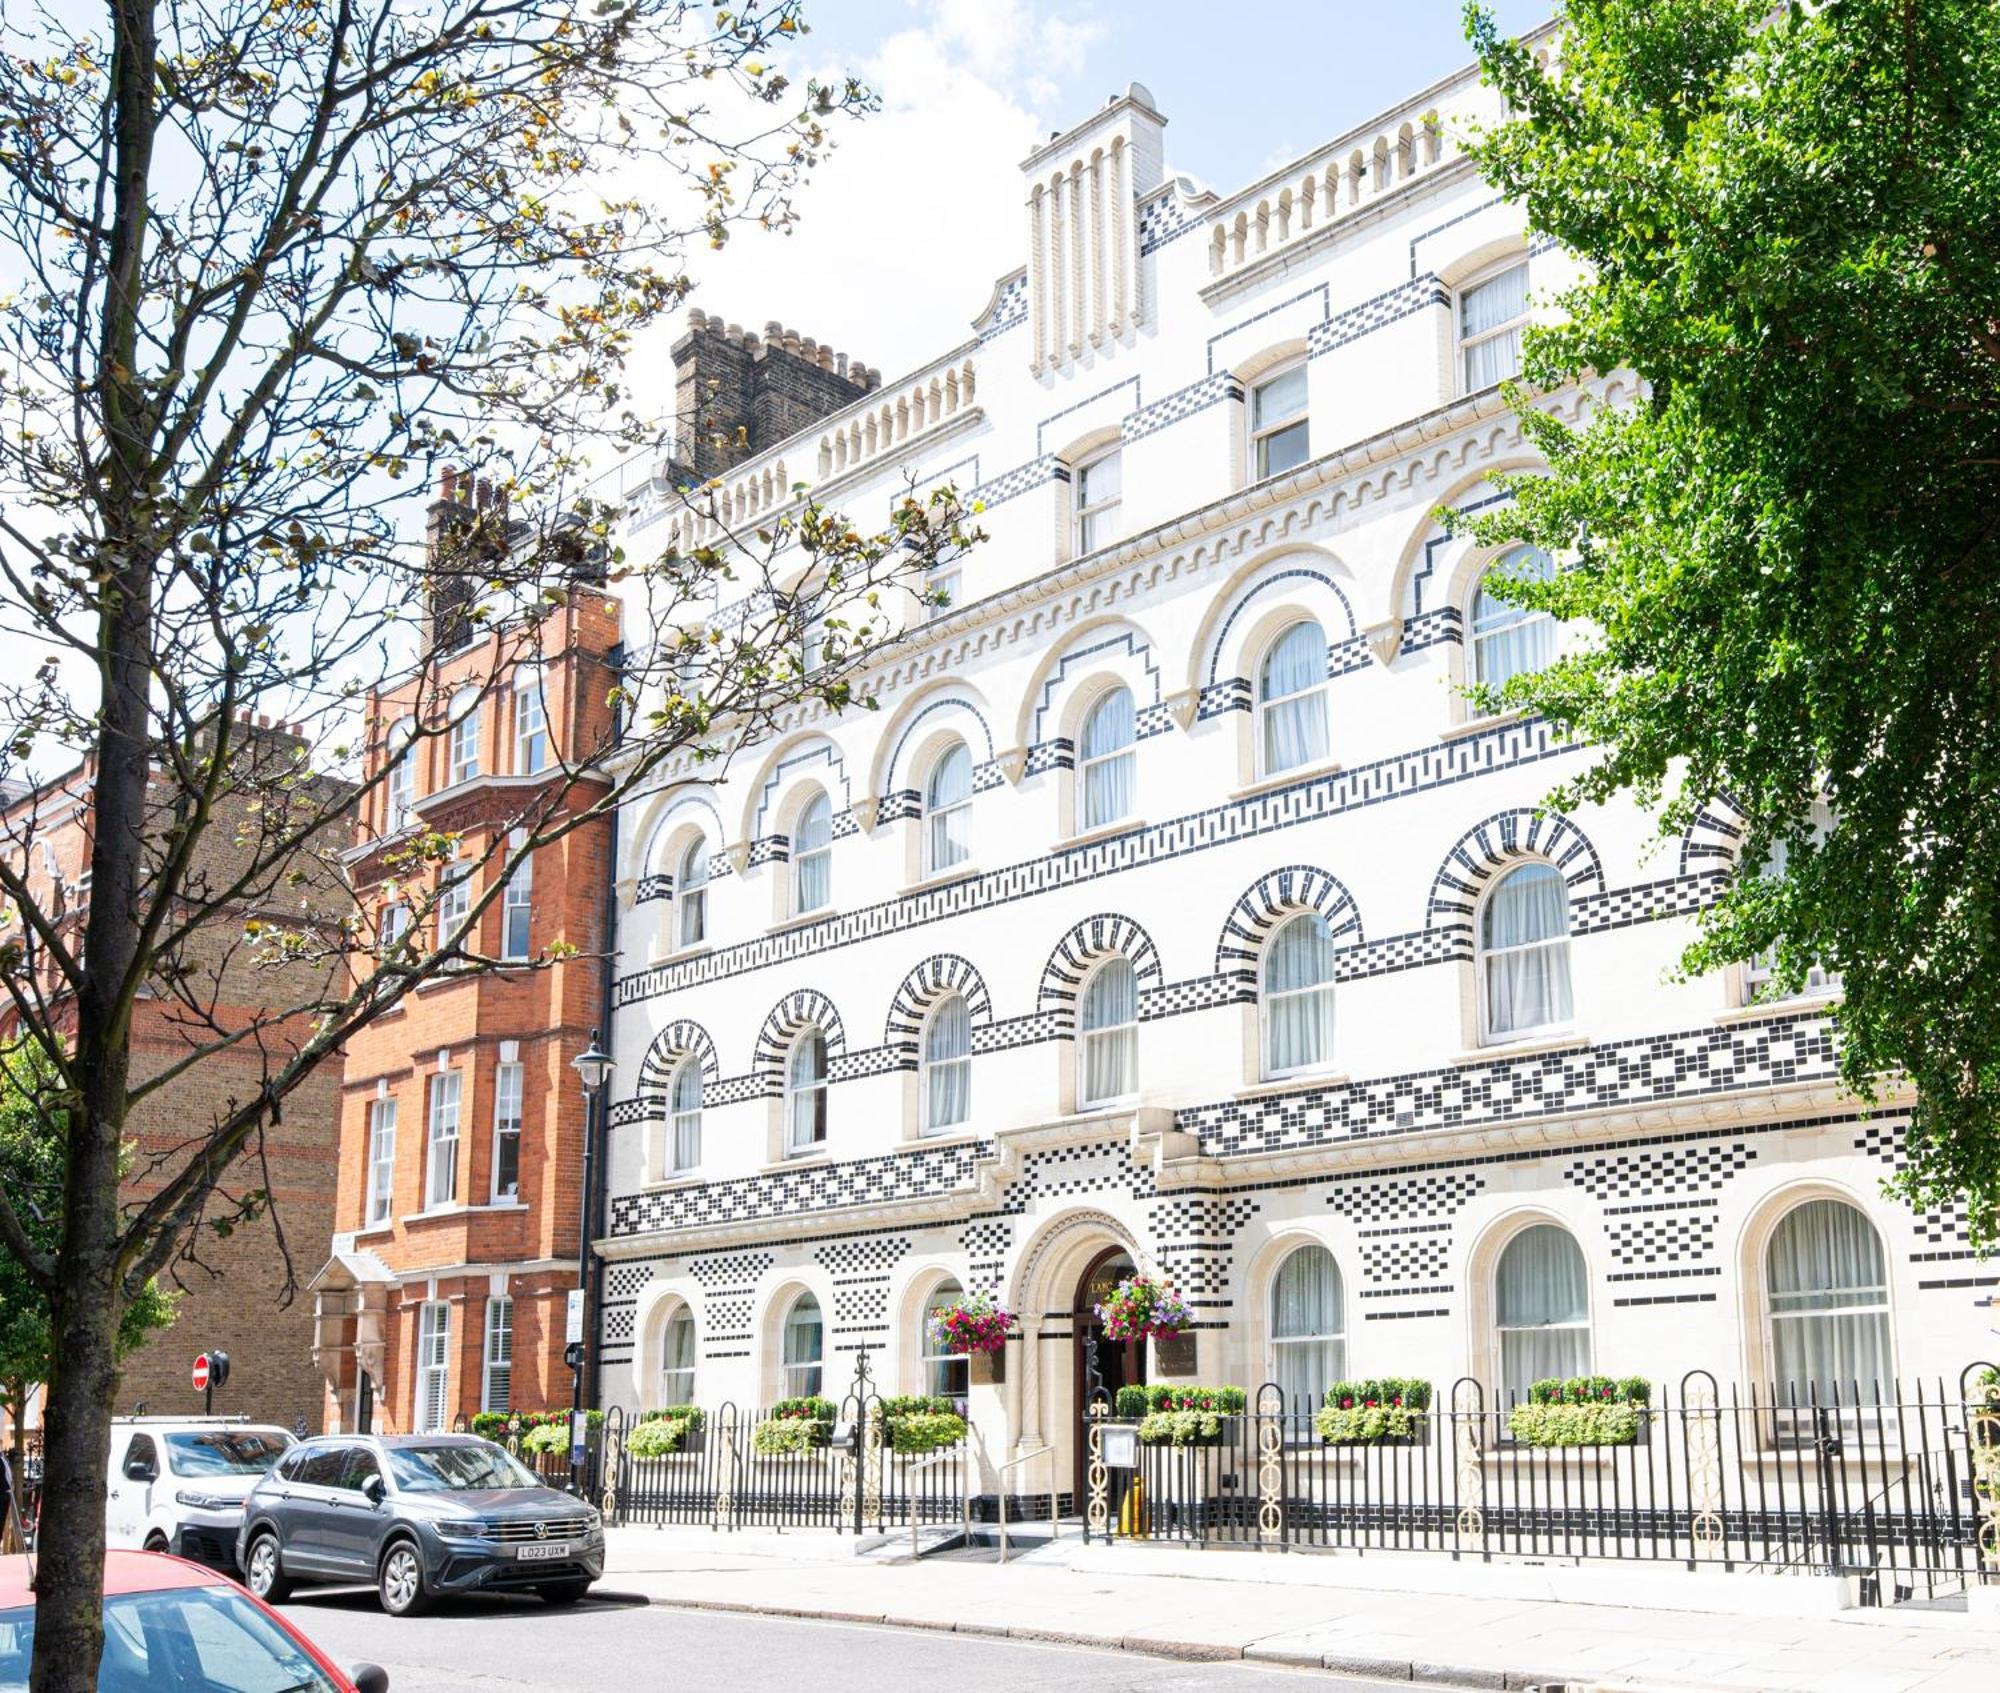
(1001, 1472)
(965, 1496)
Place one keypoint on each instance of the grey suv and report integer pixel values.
(419, 1515)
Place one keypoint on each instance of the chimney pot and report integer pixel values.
(840, 363)
(734, 332)
(773, 330)
(697, 318)
(447, 483)
(263, 720)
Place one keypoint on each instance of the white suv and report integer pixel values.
(177, 1484)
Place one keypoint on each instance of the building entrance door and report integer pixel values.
(1119, 1363)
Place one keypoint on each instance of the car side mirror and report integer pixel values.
(373, 1490)
(369, 1678)
(137, 1469)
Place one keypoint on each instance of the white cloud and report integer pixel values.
(904, 230)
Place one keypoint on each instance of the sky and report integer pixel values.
(930, 187)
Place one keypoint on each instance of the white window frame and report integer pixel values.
(1337, 1337)
(678, 1116)
(1462, 343)
(454, 905)
(1799, 1422)
(1483, 953)
(799, 909)
(1086, 1037)
(806, 1378)
(433, 1367)
(1261, 435)
(943, 578)
(1086, 819)
(498, 1354)
(401, 783)
(945, 1375)
(462, 740)
(509, 1098)
(446, 1095)
(1318, 691)
(926, 1065)
(939, 818)
(673, 1391)
(1587, 1323)
(393, 926)
(691, 896)
(381, 1159)
(531, 723)
(796, 1092)
(1480, 633)
(1093, 519)
(1760, 968)
(1268, 996)
(517, 906)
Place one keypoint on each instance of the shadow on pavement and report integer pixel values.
(362, 1599)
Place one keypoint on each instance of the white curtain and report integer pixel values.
(808, 1089)
(1493, 354)
(948, 808)
(1308, 1325)
(1507, 640)
(677, 1361)
(1298, 995)
(693, 893)
(1294, 700)
(945, 1373)
(1111, 1033)
(1107, 760)
(1525, 951)
(802, 1348)
(1829, 1292)
(1542, 1310)
(687, 1116)
(813, 856)
(948, 1065)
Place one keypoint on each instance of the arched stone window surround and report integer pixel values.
(681, 1040)
(1481, 1280)
(1267, 600)
(1429, 570)
(1713, 839)
(659, 1305)
(782, 1026)
(664, 826)
(1074, 955)
(909, 1306)
(910, 737)
(776, 1307)
(941, 974)
(685, 820)
(1267, 902)
(779, 792)
(1753, 1244)
(1478, 856)
(1259, 1282)
(1095, 657)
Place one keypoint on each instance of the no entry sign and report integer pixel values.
(201, 1372)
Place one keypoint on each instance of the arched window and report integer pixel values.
(1524, 952)
(1510, 640)
(1106, 765)
(805, 1092)
(1541, 1301)
(1298, 995)
(677, 1359)
(691, 890)
(1291, 699)
(948, 1065)
(802, 1348)
(812, 856)
(948, 810)
(945, 1373)
(684, 1142)
(402, 772)
(1110, 1021)
(1308, 1326)
(1491, 312)
(1828, 1285)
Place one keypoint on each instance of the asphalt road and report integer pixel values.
(611, 1646)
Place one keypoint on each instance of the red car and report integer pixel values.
(171, 1624)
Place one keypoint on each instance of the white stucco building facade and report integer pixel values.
(1175, 905)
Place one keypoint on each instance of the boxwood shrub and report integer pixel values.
(1132, 1403)
(1608, 1422)
(925, 1431)
(1591, 1390)
(1355, 1413)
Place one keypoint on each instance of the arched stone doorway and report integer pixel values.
(1117, 1363)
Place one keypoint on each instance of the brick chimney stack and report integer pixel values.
(448, 587)
(736, 394)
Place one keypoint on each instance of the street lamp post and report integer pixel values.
(593, 1069)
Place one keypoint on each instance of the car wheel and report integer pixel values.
(563, 1592)
(402, 1581)
(263, 1574)
(156, 1542)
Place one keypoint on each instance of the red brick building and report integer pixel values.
(462, 1124)
(233, 1289)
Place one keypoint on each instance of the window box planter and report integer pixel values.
(795, 1425)
(1169, 1414)
(666, 1433)
(1583, 1411)
(1381, 1411)
(920, 1422)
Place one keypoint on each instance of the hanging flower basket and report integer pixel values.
(1139, 1308)
(977, 1324)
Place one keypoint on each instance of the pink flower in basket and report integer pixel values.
(977, 1323)
(1139, 1307)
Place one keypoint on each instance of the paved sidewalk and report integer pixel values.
(1333, 1612)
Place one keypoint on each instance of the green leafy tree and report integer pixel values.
(263, 269)
(1788, 550)
(34, 1121)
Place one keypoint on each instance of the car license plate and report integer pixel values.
(543, 1550)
